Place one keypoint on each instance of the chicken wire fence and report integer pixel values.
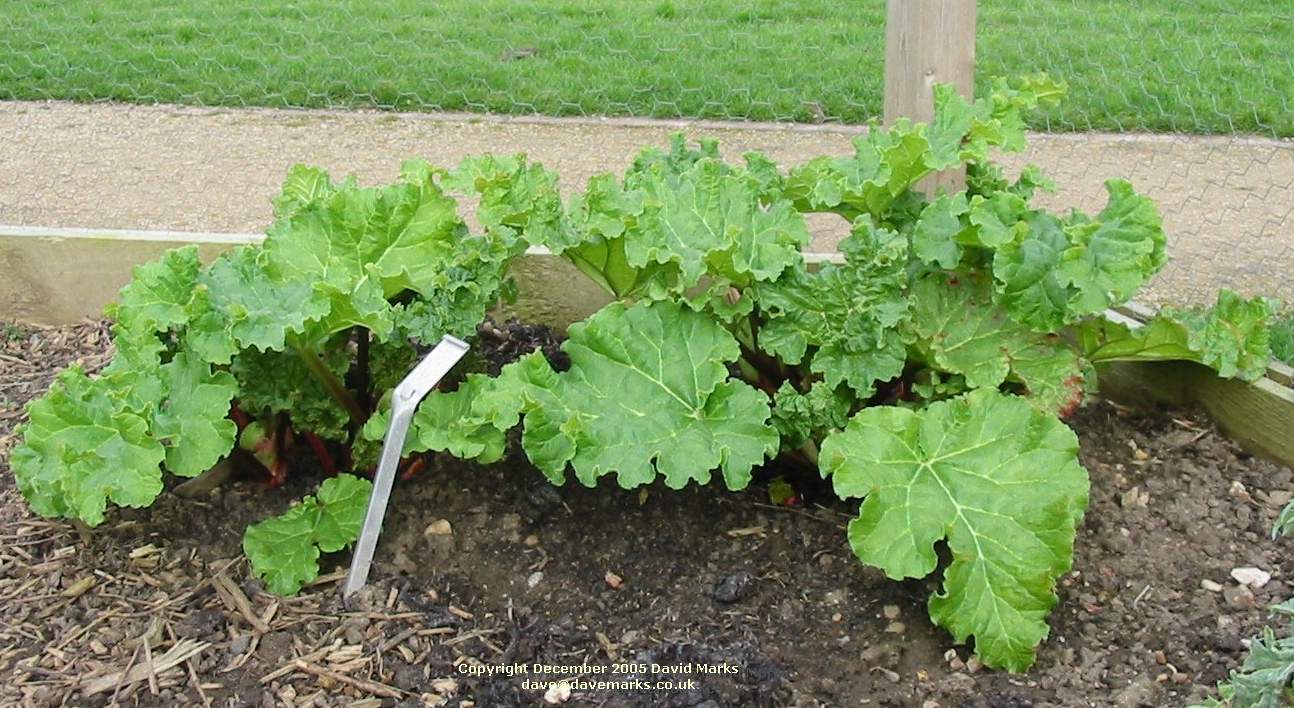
(1193, 103)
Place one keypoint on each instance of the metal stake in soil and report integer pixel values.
(404, 400)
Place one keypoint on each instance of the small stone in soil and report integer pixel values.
(534, 579)
(1239, 597)
(440, 527)
(1252, 577)
(896, 628)
(1210, 585)
(613, 581)
(732, 588)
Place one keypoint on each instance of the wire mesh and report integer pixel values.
(1193, 102)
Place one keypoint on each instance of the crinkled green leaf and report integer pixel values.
(1111, 257)
(280, 382)
(284, 550)
(934, 238)
(647, 393)
(885, 164)
(193, 422)
(998, 219)
(1232, 337)
(955, 320)
(157, 296)
(362, 246)
(304, 185)
(342, 501)
(514, 193)
(240, 304)
(847, 313)
(1026, 274)
(82, 448)
(1282, 336)
(709, 219)
(445, 423)
(800, 417)
(997, 479)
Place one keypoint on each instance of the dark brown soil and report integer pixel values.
(531, 574)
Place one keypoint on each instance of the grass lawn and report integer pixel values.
(1209, 66)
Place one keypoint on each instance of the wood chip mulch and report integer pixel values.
(120, 616)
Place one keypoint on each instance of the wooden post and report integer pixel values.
(928, 42)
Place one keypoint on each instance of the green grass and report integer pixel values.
(1210, 66)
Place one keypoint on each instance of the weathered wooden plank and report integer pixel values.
(61, 276)
(928, 42)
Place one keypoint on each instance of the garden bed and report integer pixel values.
(492, 565)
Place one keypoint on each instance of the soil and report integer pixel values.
(488, 566)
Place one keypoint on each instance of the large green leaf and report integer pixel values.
(1055, 272)
(996, 479)
(84, 447)
(514, 193)
(284, 550)
(956, 322)
(1026, 273)
(362, 246)
(647, 393)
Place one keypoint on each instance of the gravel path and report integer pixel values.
(1228, 202)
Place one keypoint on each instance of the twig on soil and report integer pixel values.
(377, 689)
(233, 598)
(289, 667)
(122, 680)
(193, 675)
(148, 663)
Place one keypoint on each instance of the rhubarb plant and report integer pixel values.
(269, 349)
(926, 372)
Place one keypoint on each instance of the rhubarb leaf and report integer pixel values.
(934, 238)
(709, 219)
(193, 421)
(156, 298)
(82, 448)
(647, 393)
(362, 246)
(996, 479)
(1232, 337)
(846, 313)
(1111, 257)
(800, 417)
(956, 322)
(514, 193)
(284, 550)
(240, 304)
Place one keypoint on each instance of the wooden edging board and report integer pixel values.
(55, 276)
